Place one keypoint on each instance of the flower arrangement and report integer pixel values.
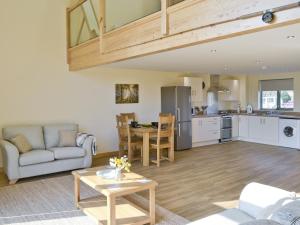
(120, 163)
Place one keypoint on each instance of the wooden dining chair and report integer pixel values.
(130, 116)
(165, 138)
(126, 140)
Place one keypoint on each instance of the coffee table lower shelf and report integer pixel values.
(127, 213)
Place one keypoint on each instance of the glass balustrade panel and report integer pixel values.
(84, 22)
(121, 12)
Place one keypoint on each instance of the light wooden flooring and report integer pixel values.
(206, 180)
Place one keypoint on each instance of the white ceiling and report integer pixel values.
(258, 53)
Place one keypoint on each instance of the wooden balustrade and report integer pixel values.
(187, 23)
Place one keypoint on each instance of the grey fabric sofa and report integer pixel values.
(46, 157)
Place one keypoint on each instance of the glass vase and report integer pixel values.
(118, 174)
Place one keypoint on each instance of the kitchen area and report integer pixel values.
(220, 113)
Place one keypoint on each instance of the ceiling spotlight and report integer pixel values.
(290, 37)
(213, 51)
(258, 61)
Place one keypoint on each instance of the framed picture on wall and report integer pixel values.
(127, 93)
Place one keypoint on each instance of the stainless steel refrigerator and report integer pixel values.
(177, 101)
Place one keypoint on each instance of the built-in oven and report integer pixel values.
(226, 128)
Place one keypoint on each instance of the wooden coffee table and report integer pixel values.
(115, 208)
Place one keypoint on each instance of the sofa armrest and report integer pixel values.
(87, 145)
(259, 201)
(10, 156)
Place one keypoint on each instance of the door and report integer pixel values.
(235, 126)
(256, 127)
(270, 130)
(183, 138)
(196, 130)
(183, 96)
(243, 126)
(168, 100)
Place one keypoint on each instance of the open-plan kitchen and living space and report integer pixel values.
(160, 112)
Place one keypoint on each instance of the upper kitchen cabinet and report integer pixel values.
(232, 92)
(197, 91)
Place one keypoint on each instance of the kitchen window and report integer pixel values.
(277, 94)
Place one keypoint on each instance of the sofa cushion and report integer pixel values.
(21, 142)
(35, 157)
(67, 138)
(68, 152)
(51, 133)
(34, 134)
(288, 214)
(227, 217)
(260, 201)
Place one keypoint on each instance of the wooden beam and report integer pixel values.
(143, 30)
(74, 6)
(164, 17)
(231, 18)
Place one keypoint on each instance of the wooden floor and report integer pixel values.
(206, 180)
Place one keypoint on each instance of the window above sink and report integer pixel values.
(277, 94)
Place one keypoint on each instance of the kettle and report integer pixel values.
(249, 109)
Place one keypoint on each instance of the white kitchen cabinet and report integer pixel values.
(234, 90)
(263, 129)
(196, 89)
(235, 126)
(205, 130)
(255, 127)
(196, 130)
(243, 127)
(271, 130)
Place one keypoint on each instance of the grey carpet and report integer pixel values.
(51, 202)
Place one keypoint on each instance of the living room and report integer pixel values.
(40, 88)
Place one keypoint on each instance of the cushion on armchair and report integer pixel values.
(260, 201)
(34, 134)
(288, 214)
(227, 217)
(261, 222)
(51, 133)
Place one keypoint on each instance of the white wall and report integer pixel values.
(36, 86)
(253, 87)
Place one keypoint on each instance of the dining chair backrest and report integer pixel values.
(165, 114)
(166, 128)
(130, 116)
(123, 129)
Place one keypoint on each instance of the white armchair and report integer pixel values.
(257, 202)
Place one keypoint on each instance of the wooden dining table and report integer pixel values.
(146, 133)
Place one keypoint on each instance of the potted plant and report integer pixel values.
(119, 164)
